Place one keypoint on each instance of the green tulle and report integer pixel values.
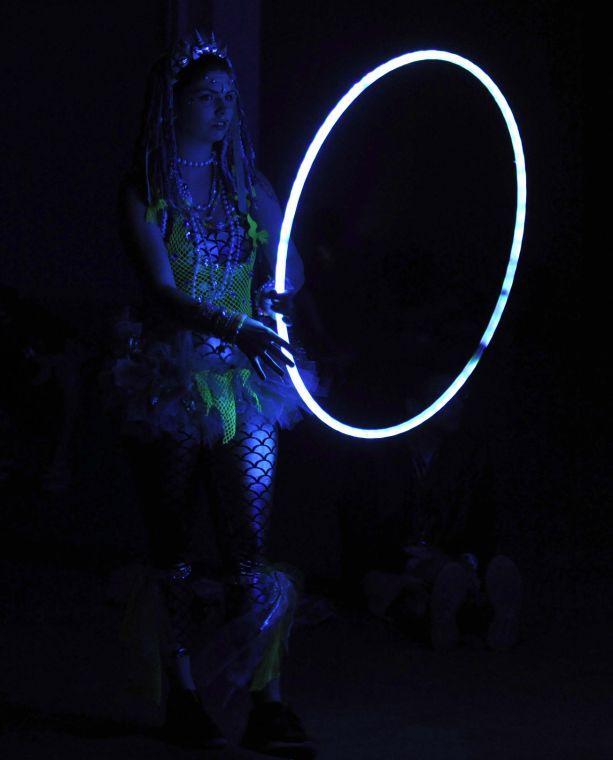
(217, 392)
(270, 665)
(146, 631)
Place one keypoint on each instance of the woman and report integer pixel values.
(205, 388)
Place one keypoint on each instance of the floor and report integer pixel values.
(363, 690)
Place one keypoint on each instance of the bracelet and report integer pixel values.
(225, 324)
(239, 326)
(268, 285)
(228, 323)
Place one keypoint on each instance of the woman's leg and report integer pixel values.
(243, 473)
(167, 475)
(166, 472)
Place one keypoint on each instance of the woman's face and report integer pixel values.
(207, 107)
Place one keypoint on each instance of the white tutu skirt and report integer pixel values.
(198, 385)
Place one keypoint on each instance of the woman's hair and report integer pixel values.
(155, 150)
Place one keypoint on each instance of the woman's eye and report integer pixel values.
(205, 98)
(230, 97)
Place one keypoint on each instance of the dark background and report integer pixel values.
(404, 229)
(430, 151)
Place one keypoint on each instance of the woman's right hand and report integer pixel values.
(261, 345)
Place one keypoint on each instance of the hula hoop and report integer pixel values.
(292, 205)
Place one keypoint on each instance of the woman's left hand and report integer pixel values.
(273, 303)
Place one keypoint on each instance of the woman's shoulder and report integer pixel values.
(263, 189)
(264, 207)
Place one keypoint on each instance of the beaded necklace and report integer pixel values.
(198, 217)
(198, 164)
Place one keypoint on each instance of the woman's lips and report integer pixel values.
(220, 124)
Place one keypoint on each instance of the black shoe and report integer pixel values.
(188, 724)
(274, 729)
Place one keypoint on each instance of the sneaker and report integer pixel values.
(448, 594)
(504, 590)
(188, 724)
(274, 729)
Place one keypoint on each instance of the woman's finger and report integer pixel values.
(270, 361)
(281, 303)
(278, 339)
(280, 308)
(279, 355)
(257, 365)
(286, 296)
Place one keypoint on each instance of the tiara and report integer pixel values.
(185, 52)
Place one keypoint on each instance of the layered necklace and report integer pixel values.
(200, 216)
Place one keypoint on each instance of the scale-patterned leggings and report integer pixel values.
(240, 479)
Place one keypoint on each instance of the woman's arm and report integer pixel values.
(146, 246)
(259, 343)
(269, 217)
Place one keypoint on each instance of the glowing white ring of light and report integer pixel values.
(292, 204)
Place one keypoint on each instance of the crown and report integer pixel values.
(185, 52)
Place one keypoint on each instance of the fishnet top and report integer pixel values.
(197, 279)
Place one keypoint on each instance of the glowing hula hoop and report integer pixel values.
(292, 204)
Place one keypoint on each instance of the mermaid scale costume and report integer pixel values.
(199, 390)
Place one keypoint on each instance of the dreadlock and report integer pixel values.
(155, 151)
